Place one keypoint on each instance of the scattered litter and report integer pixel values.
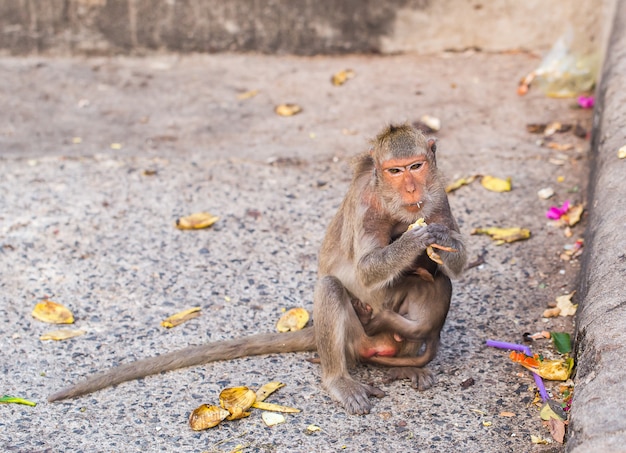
(496, 184)
(432, 122)
(562, 73)
(181, 317)
(526, 350)
(545, 193)
(294, 319)
(63, 334)
(504, 235)
(8, 399)
(461, 182)
(562, 342)
(272, 418)
(52, 312)
(342, 77)
(247, 95)
(288, 109)
(312, 429)
(235, 403)
(196, 221)
(586, 102)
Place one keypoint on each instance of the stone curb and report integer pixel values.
(597, 420)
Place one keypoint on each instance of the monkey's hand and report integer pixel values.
(453, 261)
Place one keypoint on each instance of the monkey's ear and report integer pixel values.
(432, 145)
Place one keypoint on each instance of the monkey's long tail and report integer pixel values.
(269, 343)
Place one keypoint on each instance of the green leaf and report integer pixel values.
(14, 399)
(562, 342)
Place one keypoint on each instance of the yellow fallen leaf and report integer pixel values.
(274, 407)
(565, 305)
(52, 312)
(342, 77)
(247, 95)
(294, 319)
(487, 423)
(181, 317)
(196, 221)
(502, 235)
(496, 184)
(538, 440)
(288, 109)
(460, 183)
(272, 418)
(237, 400)
(205, 417)
(621, 153)
(267, 389)
(116, 146)
(62, 334)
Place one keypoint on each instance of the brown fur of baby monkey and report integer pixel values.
(367, 255)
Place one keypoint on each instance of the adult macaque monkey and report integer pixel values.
(369, 260)
(373, 300)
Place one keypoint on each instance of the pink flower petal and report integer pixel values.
(586, 102)
(555, 212)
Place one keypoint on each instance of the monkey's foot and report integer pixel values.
(421, 378)
(353, 395)
(363, 311)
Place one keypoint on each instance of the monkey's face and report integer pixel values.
(407, 179)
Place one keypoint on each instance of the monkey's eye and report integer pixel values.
(394, 171)
(416, 166)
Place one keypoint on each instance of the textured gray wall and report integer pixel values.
(304, 27)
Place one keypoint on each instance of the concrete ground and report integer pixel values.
(91, 227)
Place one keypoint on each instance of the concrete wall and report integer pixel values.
(304, 27)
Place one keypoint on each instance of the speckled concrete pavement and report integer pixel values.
(92, 227)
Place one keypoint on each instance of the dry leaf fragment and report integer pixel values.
(294, 319)
(496, 184)
(507, 414)
(564, 304)
(205, 417)
(247, 95)
(62, 334)
(557, 429)
(288, 109)
(52, 312)
(312, 429)
(181, 317)
(538, 440)
(196, 221)
(621, 153)
(560, 146)
(274, 407)
(267, 389)
(573, 215)
(551, 312)
(460, 183)
(272, 418)
(504, 235)
(237, 400)
(342, 77)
